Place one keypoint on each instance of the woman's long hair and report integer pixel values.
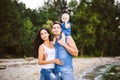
(38, 40)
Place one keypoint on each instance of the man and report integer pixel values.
(64, 51)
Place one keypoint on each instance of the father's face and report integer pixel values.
(56, 29)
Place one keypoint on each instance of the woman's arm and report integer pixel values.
(41, 60)
(70, 47)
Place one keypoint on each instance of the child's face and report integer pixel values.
(65, 18)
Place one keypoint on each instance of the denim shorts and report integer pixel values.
(47, 74)
(65, 75)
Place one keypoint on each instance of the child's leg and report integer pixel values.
(63, 37)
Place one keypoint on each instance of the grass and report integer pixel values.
(85, 56)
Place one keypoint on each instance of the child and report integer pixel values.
(66, 27)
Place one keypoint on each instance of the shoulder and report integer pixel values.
(40, 50)
(70, 39)
(41, 47)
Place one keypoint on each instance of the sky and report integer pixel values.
(34, 4)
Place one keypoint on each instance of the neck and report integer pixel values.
(57, 36)
(46, 42)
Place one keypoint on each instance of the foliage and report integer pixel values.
(95, 26)
(10, 23)
(87, 25)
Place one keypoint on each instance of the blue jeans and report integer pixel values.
(47, 74)
(66, 75)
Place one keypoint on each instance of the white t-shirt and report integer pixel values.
(50, 56)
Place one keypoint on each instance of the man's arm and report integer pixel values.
(70, 47)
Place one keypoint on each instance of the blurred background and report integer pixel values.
(95, 25)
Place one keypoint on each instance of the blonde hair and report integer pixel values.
(66, 14)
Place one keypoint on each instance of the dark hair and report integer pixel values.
(37, 41)
(66, 11)
(56, 22)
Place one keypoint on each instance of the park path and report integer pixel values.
(28, 69)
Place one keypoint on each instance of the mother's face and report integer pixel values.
(56, 29)
(44, 34)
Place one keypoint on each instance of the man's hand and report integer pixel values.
(62, 42)
(44, 56)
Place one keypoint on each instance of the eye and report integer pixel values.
(58, 27)
(53, 27)
(41, 34)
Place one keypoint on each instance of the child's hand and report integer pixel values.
(67, 25)
(66, 21)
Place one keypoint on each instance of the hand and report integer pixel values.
(66, 21)
(44, 56)
(57, 61)
(62, 42)
(67, 25)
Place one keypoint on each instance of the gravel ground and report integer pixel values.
(21, 69)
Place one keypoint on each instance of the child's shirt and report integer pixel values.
(66, 31)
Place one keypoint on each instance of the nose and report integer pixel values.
(44, 34)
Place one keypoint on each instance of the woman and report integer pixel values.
(43, 46)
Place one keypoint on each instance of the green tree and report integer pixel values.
(10, 23)
(53, 9)
(86, 20)
(105, 32)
